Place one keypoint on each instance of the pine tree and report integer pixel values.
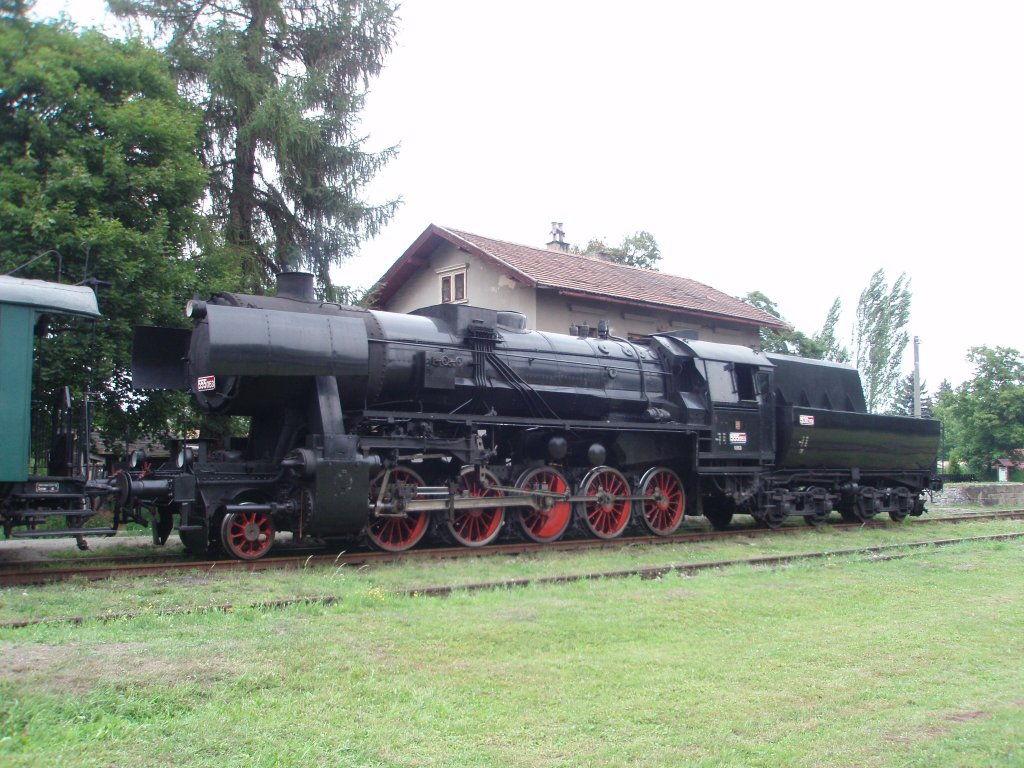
(281, 84)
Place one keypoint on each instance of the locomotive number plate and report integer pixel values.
(47, 487)
(738, 438)
(806, 421)
(206, 383)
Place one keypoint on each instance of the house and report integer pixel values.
(562, 291)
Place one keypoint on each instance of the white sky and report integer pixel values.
(788, 147)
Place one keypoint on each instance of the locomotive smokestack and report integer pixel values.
(296, 285)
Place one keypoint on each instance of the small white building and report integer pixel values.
(556, 289)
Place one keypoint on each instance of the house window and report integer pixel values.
(453, 287)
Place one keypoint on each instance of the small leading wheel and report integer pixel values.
(247, 535)
(606, 514)
(663, 513)
(395, 534)
(475, 527)
(549, 520)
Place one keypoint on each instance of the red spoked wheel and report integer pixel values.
(247, 535)
(549, 520)
(607, 515)
(663, 513)
(398, 533)
(479, 526)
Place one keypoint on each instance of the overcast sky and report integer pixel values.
(788, 147)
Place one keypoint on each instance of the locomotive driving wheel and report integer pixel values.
(395, 534)
(549, 520)
(606, 514)
(478, 526)
(247, 535)
(663, 513)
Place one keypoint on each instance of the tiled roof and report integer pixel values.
(580, 276)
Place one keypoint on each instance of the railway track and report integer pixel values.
(883, 552)
(53, 571)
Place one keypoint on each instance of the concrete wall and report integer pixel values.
(984, 494)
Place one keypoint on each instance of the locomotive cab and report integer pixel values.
(728, 388)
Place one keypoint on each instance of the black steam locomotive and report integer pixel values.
(461, 422)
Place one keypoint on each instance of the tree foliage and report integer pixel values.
(787, 342)
(99, 177)
(637, 250)
(826, 338)
(880, 337)
(984, 417)
(903, 402)
(281, 84)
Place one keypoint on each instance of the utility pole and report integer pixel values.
(917, 378)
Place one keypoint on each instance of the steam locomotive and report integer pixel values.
(459, 422)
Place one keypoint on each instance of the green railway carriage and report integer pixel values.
(28, 497)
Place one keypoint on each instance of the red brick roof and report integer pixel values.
(578, 276)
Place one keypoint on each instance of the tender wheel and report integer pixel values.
(247, 535)
(395, 534)
(848, 511)
(774, 517)
(865, 507)
(902, 500)
(821, 508)
(607, 515)
(662, 514)
(476, 527)
(551, 518)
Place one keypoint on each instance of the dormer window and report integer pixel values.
(453, 285)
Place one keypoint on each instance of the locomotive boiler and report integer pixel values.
(462, 423)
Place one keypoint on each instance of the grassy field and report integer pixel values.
(908, 661)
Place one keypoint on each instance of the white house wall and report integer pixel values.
(486, 285)
(546, 309)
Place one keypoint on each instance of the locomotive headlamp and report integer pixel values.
(195, 309)
(137, 458)
(185, 458)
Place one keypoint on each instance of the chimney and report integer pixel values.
(296, 285)
(558, 244)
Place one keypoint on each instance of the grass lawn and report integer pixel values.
(913, 661)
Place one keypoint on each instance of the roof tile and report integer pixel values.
(606, 279)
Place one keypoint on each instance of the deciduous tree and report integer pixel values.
(880, 337)
(985, 415)
(99, 177)
(637, 250)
